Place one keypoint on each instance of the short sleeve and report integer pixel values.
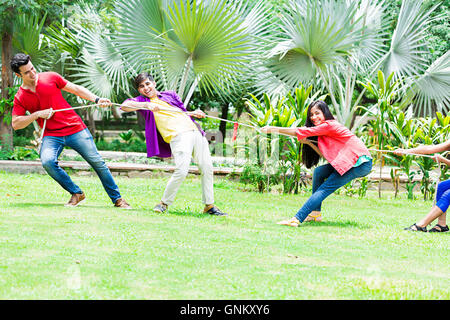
(59, 80)
(18, 108)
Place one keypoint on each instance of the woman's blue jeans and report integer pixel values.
(82, 143)
(326, 180)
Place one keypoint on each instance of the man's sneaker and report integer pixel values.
(212, 209)
(160, 207)
(76, 199)
(122, 204)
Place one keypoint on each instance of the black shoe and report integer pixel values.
(439, 228)
(216, 211)
(415, 227)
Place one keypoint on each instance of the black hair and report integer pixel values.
(309, 155)
(20, 59)
(142, 77)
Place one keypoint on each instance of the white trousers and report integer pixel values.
(185, 146)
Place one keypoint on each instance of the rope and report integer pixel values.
(307, 141)
(438, 178)
(406, 153)
(212, 117)
(51, 114)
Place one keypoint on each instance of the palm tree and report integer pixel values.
(212, 46)
(333, 42)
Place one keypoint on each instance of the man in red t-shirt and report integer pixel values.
(40, 94)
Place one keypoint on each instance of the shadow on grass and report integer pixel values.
(339, 224)
(35, 205)
(188, 212)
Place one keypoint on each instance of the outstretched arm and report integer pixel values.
(271, 129)
(426, 149)
(291, 132)
(85, 94)
(130, 105)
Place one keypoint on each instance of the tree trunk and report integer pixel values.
(6, 134)
(91, 123)
(115, 113)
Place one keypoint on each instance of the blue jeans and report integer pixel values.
(443, 195)
(326, 180)
(82, 143)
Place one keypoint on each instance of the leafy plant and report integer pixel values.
(335, 43)
(385, 92)
(254, 174)
(18, 153)
(289, 112)
(363, 187)
(6, 105)
(22, 153)
(127, 136)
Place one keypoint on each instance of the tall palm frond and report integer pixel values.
(432, 88)
(374, 25)
(142, 22)
(90, 55)
(91, 75)
(407, 54)
(196, 47)
(64, 39)
(102, 49)
(212, 44)
(314, 34)
(28, 38)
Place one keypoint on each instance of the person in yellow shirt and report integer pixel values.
(171, 131)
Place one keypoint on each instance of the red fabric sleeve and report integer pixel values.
(320, 130)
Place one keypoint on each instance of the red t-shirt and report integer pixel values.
(48, 95)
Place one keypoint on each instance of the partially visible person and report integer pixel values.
(439, 211)
(170, 130)
(347, 155)
(40, 94)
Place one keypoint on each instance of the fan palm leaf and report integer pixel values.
(28, 38)
(211, 43)
(314, 34)
(407, 54)
(102, 49)
(433, 87)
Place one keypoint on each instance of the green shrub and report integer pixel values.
(255, 174)
(18, 153)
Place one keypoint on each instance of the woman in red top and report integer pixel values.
(347, 156)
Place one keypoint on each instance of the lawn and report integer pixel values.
(96, 251)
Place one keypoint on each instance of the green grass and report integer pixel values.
(96, 251)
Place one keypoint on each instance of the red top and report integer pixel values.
(338, 144)
(48, 95)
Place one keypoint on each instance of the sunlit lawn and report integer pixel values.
(96, 251)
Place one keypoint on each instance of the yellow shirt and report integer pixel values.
(169, 123)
